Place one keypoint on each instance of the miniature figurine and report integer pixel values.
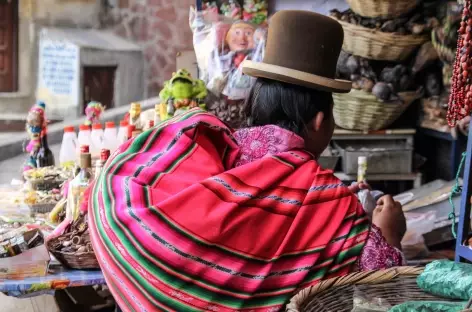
(93, 111)
(181, 93)
(35, 124)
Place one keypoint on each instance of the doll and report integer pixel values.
(35, 124)
(93, 111)
(181, 93)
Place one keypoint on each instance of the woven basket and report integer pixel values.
(377, 45)
(395, 285)
(446, 54)
(382, 8)
(78, 237)
(359, 110)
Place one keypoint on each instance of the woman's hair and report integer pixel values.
(288, 106)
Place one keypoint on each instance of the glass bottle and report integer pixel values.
(79, 184)
(104, 155)
(44, 157)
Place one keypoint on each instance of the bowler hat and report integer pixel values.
(302, 49)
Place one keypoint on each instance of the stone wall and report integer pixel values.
(160, 27)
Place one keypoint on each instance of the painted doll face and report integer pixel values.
(240, 37)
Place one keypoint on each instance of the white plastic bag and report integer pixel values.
(417, 224)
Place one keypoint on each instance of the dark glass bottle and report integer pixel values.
(44, 157)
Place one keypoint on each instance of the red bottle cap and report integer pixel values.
(84, 127)
(151, 123)
(131, 128)
(124, 123)
(84, 149)
(69, 129)
(104, 154)
(97, 126)
(109, 125)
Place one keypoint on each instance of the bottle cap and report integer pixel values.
(84, 128)
(85, 160)
(124, 123)
(131, 128)
(69, 129)
(97, 126)
(84, 149)
(104, 154)
(361, 160)
(151, 123)
(109, 125)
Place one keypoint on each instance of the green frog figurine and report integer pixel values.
(181, 93)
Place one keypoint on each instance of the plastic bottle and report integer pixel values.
(97, 140)
(67, 155)
(84, 137)
(110, 137)
(123, 132)
(361, 168)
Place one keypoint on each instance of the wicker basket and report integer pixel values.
(382, 8)
(396, 285)
(359, 110)
(75, 258)
(377, 45)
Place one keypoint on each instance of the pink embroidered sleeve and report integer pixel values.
(378, 254)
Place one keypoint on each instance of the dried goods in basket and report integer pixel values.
(73, 249)
(383, 8)
(46, 178)
(359, 110)
(394, 286)
(392, 40)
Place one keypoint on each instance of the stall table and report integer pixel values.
(58, 278)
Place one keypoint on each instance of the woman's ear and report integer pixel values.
(318, 121)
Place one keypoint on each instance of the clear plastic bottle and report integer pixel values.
(84, 137)
(68, 154)
(123, 132)
(110, 137)
(97, 140)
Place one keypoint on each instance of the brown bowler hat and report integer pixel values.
(302, 49)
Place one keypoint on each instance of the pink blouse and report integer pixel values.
(258, 142)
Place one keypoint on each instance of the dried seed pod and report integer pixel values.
(76, 240)
(382, 91)
(367, 84)
(352, 64)
(66, 243)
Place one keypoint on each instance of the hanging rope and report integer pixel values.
(456, 190)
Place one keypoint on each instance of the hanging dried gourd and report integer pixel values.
(460, 101)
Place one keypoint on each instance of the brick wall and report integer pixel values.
(161, 27)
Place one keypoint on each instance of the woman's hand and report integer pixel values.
(358, 186)
(389, 217)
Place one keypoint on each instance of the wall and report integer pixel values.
(161, 27)
(33, 14)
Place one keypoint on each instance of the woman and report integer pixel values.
(192, 216)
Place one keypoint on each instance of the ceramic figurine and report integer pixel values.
(35, 123)
(93, 111)
(181, 93)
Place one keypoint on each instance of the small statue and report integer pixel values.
(181, 93)
(93, 111)
(35, 124)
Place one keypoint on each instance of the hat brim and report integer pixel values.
(296, 77)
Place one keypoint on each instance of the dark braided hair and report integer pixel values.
(288, 106)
